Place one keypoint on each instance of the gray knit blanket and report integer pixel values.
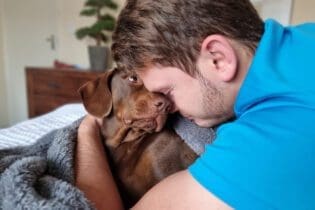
(41, 175)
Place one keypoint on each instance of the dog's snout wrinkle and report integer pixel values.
(159, 103)
(162, 104)
(166, 107)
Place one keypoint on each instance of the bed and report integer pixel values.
(27, 132)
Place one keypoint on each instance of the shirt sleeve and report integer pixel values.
(262, 161)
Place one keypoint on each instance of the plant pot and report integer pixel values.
(99, 58)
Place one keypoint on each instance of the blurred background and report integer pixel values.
(39, 32)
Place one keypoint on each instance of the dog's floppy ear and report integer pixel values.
(96, 96)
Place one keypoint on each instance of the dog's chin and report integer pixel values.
(155, 124)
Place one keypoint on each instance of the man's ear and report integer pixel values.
(96, 96)
(217, 54)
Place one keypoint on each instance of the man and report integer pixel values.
(217, 60)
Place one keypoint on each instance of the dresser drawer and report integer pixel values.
(58, 84)
(49, 88)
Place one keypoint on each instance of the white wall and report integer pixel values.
(3, 94)
(13, 102)
(303, 11)
(72, 50)
(279, 10)
(25, 29)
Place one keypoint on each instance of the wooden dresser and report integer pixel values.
(49, 88)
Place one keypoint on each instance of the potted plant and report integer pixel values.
(99, 31)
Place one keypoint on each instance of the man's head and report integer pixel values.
(211, 40)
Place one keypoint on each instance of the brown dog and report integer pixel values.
(142, 151)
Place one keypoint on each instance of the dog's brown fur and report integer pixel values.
(142, 151)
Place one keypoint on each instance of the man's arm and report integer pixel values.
(93, 175)
(180, 191)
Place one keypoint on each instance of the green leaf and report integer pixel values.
(88, 12)
(106, 23)
(83, 32)
(93, 3)
(101, 4)
(110, 4)
(107, 17)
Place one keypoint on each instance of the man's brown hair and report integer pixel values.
(170, 32)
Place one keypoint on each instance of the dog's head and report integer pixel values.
(122, 95)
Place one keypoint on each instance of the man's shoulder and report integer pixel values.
(253, 154)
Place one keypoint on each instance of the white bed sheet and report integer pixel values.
(27, 132)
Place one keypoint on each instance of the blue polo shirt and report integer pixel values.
(265, 159)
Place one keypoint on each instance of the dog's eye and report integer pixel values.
(133, 78)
